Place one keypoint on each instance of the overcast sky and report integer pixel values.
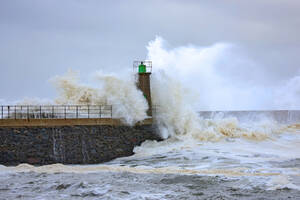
(42, 38)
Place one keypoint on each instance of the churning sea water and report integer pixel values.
(241, 155)
(246, 159)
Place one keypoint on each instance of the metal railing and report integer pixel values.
(55, 111)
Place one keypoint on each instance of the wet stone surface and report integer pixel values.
(70, 144)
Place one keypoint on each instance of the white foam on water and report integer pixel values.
(257, 161)
(187, 79)
(177, 116)
(226, 146)
(280, 182)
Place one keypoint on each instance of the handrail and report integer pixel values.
(59, 111)
(55, 111)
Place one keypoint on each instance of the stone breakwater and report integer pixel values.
(70, 144)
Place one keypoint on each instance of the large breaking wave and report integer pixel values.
(256, 147)
(185, 80)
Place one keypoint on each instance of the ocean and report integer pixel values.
(235, 155)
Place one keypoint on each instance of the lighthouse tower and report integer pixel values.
(144, 69)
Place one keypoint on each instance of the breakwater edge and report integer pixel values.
(84, 144)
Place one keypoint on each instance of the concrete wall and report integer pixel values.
(65, 122)
(70, 144)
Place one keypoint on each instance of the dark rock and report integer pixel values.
(63, 186)
(71, 144)
(33, 160)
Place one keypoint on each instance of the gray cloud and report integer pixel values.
(40, 39)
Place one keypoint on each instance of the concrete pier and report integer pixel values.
(79, 144)
(66, 122)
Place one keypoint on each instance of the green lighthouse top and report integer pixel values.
(143, 66)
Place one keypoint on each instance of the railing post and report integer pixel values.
(65, 112)
(100, 111)
(8, 112)
(111, 111)
(76, 111)
(15, 112)
(111, 119)
(1, 112)
(40, 112)
(88, 111)
(52, 112)
(27, 112)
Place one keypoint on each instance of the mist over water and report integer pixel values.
(287, 96)
(223, 78)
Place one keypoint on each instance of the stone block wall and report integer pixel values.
(70, 144)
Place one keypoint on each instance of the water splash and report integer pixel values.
(187, 79)
(223, 78)
(128, 102)
(178, 117)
